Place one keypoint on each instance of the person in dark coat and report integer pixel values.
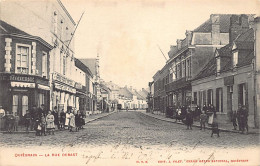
(189, 118)
(183, 111)
(56, 117)
(27, 120)
(234, 119)
(77, 121)
(197, 111)
(62, 119)
(215, 129)
(33, 114)
(244, 119)
(205, 108)
(239, 110)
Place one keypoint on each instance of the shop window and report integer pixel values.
(15, 104)
(41, 99)
(22, 59)
(24, 105)
(44, 64)
(219, 100)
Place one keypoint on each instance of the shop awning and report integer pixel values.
(22, 85)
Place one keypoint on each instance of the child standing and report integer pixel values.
(43, 125)
(203, 120)
(50, 123)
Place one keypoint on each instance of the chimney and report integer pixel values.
(178, 44)
(215, 32)
(251, 20)
(188, 37)
(244, 22)
(235, 28)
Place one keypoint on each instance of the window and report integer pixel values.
(44, 64)
(41, 99)
(195, 99)
(219, 100)
(210, 96)
(15, 104)
(64, 65)
(235, 58)
(23, 59)
(183, 68)
(242, 94)
(24, 104)
(218, 65)
(188, 73)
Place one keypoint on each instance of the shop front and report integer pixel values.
(19, 92)
(63, 92)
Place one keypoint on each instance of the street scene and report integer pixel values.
(129, 83)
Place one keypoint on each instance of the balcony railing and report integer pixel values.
(178, 84)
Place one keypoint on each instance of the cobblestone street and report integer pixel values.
(131, 138)
(133, 128)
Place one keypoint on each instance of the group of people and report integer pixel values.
(43, 121)
(240, 119)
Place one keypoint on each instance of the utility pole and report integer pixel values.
(74, 32)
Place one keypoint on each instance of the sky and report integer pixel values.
(126, 33)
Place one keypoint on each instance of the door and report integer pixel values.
(20, 104)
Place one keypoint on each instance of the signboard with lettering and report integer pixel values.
(58, 77)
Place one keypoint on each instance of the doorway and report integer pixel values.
(19, 104)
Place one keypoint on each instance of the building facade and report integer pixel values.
(24, 71)
(56, 27)
(227, 81)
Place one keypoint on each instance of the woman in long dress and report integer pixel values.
(72, 121)
(50, 123)
(67, 120)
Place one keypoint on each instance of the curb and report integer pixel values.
(198, 126)
(25, 132)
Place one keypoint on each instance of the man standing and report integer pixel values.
(243, 119)
(2, 119)
(239, 117)
(56, 117)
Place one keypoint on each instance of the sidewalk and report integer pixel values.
(88, 119)
(222, 127)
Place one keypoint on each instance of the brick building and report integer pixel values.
(172, 84)
(24, 70)
(228, 79)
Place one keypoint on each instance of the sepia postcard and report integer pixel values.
(129, 82)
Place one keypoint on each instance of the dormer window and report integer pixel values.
(218, 64)
(235, 58)
(235, 55)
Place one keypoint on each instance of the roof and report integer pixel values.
(125, 93)
(90, 63)
(111, 85)
(224, 22)
(102, 86)
(140, 97)
(82, 67)
(243, 42)
(7, 29)
(143, 93)
(208, 70)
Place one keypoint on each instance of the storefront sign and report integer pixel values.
(43, 87)
(22, 84)
(19, 78)
(65, 88)
(60, 78)
(78, 85)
